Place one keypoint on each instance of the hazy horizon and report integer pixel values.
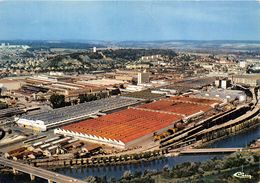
(118, 41)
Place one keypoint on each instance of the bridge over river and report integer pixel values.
(38, 172)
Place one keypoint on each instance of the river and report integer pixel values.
(238, 140)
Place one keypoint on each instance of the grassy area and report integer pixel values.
(221, 176)
(215, 170)
(212, 171)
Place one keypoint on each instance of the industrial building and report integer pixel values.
(44, 120)
(222, 94)
(186, 85)
(43, 86)
(223, 83)
(10, 84)
(102, 82)
(143, 77)
(8, 112)
(252, 80)
(187, 107)
(145, 95)
(137, 125)
(121, 129)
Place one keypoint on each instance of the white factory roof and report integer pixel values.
(79, 111)
(102, 82)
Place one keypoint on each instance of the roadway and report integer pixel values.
(39, 172)
(207, 150)
(247, 115)
(235, 121)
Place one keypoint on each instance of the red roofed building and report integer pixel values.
(121, 129)
(133, 126)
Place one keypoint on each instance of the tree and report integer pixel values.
(91, 179)
(3, 105)
(57, 101)
(74, 102)
(82, 98)
(137, 174)
(127, 175)
(113, 180)
(87, 98)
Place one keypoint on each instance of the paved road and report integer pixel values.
(210, 150)
(39, 172)
(234, 121)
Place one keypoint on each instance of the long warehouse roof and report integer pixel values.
(181, 105)
(70, 112)
(125, 125)
(134, 123)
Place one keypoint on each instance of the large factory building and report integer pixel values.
(133, 126)
(42, 121)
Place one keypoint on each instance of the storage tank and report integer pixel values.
(45, 146)
(228, 98)
(37, 144)
(242, 98)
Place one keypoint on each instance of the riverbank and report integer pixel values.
(237, 140)
(117, 171)
(101, 160)
(213, 143)
(150, 171)
(221, 169)
(223, 176)
(185, 171)
(112, 171)
(138, 158)
(143, 157)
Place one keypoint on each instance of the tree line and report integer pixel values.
(58, 100)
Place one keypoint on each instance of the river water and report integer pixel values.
(238, 140)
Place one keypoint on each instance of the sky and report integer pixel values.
(130, 20)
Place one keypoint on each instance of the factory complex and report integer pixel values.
(179, 105)
(223, 94)
(41, 121)
(137, 125)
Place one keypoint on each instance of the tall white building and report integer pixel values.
(94, 49)
(225, 83)
(143, 77)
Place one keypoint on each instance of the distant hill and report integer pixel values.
(87, 58)
(229, 45)
(217, 45)
(135, 54)
(73, 59)
(53, 44)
